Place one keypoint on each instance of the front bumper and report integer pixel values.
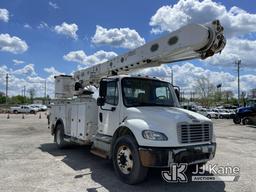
(163, 157)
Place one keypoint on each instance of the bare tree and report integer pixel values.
(228, 94)
(205, 89)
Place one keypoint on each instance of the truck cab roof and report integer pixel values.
(136, 76)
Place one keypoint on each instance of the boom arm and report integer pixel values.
(189, 42)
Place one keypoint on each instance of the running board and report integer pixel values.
(101, 145)
(99, 152)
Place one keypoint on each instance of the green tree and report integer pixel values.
(2, 99)
(17, 99)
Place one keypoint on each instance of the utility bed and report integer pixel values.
(79, 116)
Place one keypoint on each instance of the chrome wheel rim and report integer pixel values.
(124, 159)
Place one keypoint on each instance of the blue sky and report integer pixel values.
(34, 22)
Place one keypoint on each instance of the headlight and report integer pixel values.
(154, 135)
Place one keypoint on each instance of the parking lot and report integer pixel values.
(29, 161)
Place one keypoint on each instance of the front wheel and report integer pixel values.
(127, 162)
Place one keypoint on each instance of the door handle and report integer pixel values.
(111, 109)
(101, 117)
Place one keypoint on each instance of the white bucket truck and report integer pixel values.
(136, 121)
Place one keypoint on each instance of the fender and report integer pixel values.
(136, 126)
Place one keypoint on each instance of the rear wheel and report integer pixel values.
(15, 112)
(59, 137)
(246, 121)
(237, 120)
(221, 117)
(208, 116)
(127, 162)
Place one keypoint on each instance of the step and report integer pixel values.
(99, 152)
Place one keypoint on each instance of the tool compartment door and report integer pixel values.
(74, 122)
(81, 123)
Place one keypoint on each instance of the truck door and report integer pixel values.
(23, 109)
(108, 117)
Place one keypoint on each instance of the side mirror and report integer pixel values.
(177, 92)
(101, 101)
(78, 86)
(103, 89)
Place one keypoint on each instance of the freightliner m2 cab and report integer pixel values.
(136, 121)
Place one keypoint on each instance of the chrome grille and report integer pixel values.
(194, 133)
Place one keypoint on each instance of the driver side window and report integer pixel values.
(112, 93)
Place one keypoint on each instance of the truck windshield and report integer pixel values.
(148, 92)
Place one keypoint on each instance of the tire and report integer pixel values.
(128, 169)
(221, 117)
(15, 112)
(246, 121)
(59, 137)
(32, 112)
(208, 116)
(237, 120)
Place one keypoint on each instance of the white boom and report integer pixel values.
(189, 42)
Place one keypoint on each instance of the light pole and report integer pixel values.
(6, 89)
(238, 63)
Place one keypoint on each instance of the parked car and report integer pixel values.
(39, 106)
(23, 109)
(208, 113)
(35, 107)
(222, 114)
(232, 113)
(246, 115)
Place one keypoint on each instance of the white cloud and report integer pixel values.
(17, 62)
(122, 37)
(53, 5)
(35, 79)
(52, 71)
(236, 49)
(67, 30)
(192, 73)
(236, 21)
(96, 58)
(26, 76)
(12, 44)
(28, 69)
(42, 25)
(4, 15)
(27, 26)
